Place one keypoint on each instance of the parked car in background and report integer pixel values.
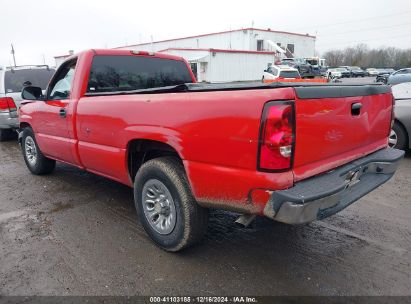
(12, 81)
(383, 75)
(280, 72)
(318, 65)
(356, 71)
(333, 74)
(385, 71)
(400, 136)
(371, 72)
(400, 76)
(344, 72)
(305, 69)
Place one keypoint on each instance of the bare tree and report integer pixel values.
(361, 55)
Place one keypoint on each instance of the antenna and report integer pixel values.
(12, 52)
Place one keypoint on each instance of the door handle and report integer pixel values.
(63, 113)
(355, 108)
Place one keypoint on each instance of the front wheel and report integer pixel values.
(165, 205)
(36, 162)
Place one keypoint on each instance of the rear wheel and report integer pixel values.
(165, 205)
(398, 137)
(36, 162)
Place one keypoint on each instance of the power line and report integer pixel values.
(355, 20)
(364, 40)
(365, 30)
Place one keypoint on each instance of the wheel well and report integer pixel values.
(24, 125)
(408, 142)
(143, 150)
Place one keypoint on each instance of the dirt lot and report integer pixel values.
(74, 233)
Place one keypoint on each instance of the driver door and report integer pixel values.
(52, 116)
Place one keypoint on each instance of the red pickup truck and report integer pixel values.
(292, 152)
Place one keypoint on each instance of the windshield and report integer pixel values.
(312, 61)
(14, 79)
(341, 69)
(299, 60)
(289, 74)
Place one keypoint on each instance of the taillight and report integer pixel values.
(277, 136)
(7, 104)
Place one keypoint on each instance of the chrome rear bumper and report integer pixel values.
(324, 195)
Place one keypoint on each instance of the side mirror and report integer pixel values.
(32, 93)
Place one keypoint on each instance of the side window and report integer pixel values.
(273, 71)
(128, 73)
(60, 88)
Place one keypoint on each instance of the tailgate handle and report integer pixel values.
(356, 108)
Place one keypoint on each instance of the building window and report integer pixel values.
(260, 45)
(290, 47)
(194, 68)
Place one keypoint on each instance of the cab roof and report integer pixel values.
(113, 52)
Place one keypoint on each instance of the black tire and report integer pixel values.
(41, 165)
(191, 219)
(402, 137)
(7, 134)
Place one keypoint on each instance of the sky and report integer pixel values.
(42, 29)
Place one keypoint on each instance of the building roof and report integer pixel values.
(223, 32)
(220, 51)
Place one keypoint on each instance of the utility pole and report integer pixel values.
(12, 52)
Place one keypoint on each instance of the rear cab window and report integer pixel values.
(129, 73)
(16, 79)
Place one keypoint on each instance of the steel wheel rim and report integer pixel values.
(30, 150)
(392, 139)
(159, 208)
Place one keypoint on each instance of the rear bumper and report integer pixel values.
(322, 196)
(8, 120)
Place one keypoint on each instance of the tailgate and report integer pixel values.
(337, 124)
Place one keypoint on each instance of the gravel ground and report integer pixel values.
(74, 233)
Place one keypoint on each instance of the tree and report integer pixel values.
(361, 55)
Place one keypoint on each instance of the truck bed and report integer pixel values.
(303, 89)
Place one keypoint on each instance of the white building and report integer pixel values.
(216, 65)
(236, 55)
